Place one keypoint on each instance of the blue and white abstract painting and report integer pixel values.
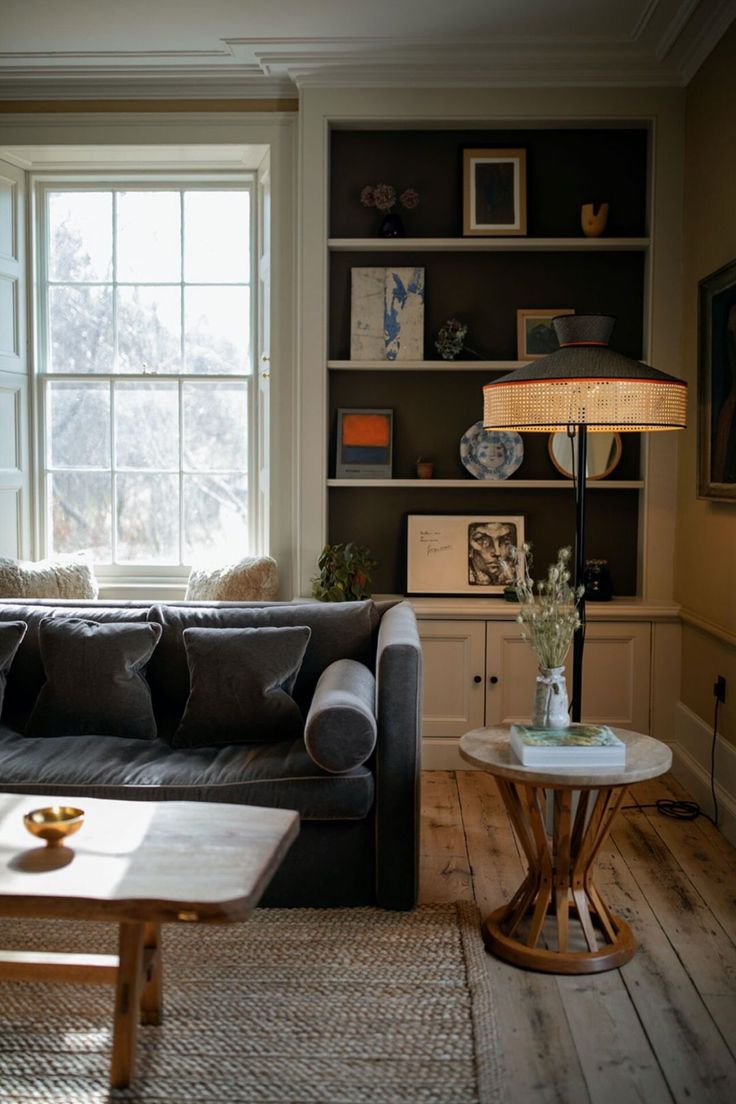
(387, 314)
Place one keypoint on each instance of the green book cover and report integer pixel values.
(575, 735)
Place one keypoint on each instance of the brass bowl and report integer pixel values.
(54, 823)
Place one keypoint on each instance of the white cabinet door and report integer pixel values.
(616, 674)
(616, 664)
(454, 677)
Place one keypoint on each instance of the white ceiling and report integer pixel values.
(93, 48)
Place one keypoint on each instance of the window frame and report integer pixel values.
(208, 180)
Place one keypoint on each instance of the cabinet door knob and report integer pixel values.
(477, 678)
(493, 680)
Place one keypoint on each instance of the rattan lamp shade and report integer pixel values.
(585, 383)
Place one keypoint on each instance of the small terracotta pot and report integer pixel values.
(425, 469)
(593, 219)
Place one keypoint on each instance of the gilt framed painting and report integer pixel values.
(717, 384)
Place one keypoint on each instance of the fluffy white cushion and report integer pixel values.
(63, 577)
(254, 579)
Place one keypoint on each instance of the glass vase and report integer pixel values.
(550, 709)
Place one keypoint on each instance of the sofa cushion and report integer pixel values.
(62, 577)
(254, 578)
(26, 675)
(11, 635)
(339, 631)
(241, 683)
(341, 729)
(277, 775)
(94, 680)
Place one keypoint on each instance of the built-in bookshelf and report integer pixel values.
(483, 281)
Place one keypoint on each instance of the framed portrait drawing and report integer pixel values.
(494, 192)
(535, 334)
(717, 384)
(364, 443)
(461, 554)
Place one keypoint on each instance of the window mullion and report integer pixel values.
(181, 471)
(113, 480)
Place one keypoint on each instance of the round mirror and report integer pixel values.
(602, 454)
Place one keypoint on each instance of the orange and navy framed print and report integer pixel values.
(364, 443)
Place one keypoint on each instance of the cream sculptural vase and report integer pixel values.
(550, 709)
(593, 219)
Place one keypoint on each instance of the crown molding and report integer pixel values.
(668, 42)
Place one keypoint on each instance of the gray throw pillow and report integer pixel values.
(341, 729)
(11, 634)
(241, 685)
(94, 679)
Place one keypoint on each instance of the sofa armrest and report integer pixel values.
(397, 761)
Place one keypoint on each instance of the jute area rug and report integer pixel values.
(347, 1006)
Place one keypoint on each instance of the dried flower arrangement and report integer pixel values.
(550, 616)
(383, 197)
(450, 341)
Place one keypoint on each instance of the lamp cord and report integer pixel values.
(690, 810)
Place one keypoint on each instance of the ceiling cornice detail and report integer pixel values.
(666, 45)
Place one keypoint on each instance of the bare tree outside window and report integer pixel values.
(147, 295)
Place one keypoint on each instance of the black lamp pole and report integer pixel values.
(579, 637)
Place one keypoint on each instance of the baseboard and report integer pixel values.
(443, 754)
(691, 767)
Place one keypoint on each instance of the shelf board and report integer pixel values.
(496, 484)
(484, 245)
(425, 365)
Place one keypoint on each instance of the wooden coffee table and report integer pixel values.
(138, 864)
(559, 880)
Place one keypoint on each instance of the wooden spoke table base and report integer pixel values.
(559, 883)
(557, 921)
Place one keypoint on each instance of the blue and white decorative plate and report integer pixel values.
(491, 453)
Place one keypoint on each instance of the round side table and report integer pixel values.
(559, 881)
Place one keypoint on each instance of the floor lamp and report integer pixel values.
(581, 388)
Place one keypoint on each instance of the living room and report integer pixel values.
(259, 307)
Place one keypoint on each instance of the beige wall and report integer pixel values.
(705, 560)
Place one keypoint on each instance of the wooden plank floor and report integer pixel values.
(660, 1029)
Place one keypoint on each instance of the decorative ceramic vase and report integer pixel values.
(593, 219)
(550, 699)
(425, 469)
(391, 227)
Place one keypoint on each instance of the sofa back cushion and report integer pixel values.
(94, 679)
(26, 675)
(241, 686)
(11, 635)
(338, 631)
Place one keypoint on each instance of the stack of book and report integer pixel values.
(578, 745)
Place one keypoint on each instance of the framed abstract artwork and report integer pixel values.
(717, 384)
(387, 314)
(461, 554)
(494, 192)
(364, 443)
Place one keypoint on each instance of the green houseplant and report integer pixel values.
(345, 572)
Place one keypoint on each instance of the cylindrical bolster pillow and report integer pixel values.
(341, 729)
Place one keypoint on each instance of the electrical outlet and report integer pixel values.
(719, 689)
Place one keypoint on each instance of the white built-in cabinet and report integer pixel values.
(479, 671)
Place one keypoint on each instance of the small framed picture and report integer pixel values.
(535, 334)
(494, 192)
(717, 385)
(364, 443)
(462, 554)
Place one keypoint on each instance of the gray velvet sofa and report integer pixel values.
(359, 829)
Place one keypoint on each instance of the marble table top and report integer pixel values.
(490, 749)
